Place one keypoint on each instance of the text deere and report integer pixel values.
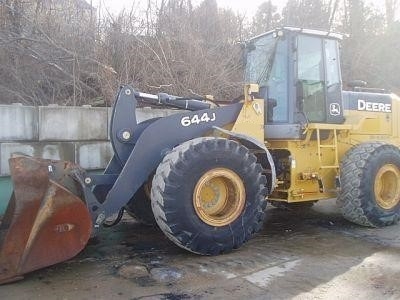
(374, 106)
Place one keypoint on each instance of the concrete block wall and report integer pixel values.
(18, 123)
(57, 123)
(78, 134)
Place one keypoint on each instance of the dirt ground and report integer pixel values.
(308, 255)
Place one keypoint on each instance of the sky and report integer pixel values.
(247, 7)
(236, 5)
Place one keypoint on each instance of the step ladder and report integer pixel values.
(332, 142)
(333, 146)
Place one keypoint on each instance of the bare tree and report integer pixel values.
(391, 7)
(66, 52)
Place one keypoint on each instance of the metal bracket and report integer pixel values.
(95, 208)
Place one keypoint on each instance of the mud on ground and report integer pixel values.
(298, 255)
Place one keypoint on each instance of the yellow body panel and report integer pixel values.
(311, 164)
(251, 119)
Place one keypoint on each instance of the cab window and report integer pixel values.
(278, 85)
(311, 77)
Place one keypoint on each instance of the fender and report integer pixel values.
(253, 143)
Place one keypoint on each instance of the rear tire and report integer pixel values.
(139, 207)
(208, 195)
(370, 184)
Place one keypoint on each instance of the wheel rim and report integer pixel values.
(219, 197)
(387, 186)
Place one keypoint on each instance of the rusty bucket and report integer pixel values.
(46, 221)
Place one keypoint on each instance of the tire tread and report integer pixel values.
(179, 158)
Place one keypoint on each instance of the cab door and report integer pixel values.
(318, 79)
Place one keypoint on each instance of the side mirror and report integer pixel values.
(247, 48)
(299, 96)
(271, 104)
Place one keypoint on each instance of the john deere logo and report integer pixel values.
(334, 109)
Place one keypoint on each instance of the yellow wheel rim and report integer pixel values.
(387, 186)
(219, 197)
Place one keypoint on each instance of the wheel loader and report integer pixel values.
(205, 175)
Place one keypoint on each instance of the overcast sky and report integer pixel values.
(237, 5)
(242, 6)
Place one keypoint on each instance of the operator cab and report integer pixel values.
(298, 72)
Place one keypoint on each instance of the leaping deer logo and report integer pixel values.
(334, 109)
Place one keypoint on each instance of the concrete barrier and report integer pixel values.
(57, 123)
(92, 156)
(78, 134)
(18, 123)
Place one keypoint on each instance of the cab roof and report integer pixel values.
(313, 32)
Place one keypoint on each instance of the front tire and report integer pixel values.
(208, 195)
(370, 184)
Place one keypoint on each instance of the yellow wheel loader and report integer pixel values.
(205, 175)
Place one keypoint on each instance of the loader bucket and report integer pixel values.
(45, 221)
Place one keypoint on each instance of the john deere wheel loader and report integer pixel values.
(295, 137)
